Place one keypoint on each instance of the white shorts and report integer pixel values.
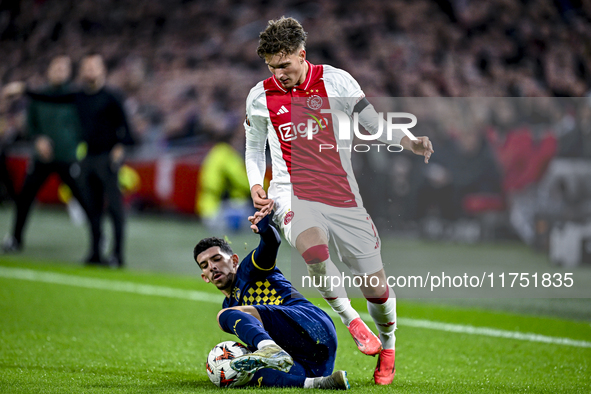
(350, 231)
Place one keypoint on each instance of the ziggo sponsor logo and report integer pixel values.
(290, 131)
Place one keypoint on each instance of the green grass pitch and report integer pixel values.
(63, 338)
(69, 329)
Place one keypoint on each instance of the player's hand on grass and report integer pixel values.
(260, 200)
(421, 146)
(257, 217)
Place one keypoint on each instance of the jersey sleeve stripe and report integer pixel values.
(262, 269)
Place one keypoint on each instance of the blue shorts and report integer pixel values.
(304, 331)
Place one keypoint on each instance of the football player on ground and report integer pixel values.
(295, 342)
(315, 193)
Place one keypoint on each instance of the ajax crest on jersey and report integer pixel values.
(314, 102)
(218, 365)
(288, 217)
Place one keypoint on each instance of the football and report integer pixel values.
(218, 365)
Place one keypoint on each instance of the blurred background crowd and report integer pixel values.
(185, 68)
(186, 65)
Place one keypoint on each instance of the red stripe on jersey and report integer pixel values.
(315, 176)
(281, 119)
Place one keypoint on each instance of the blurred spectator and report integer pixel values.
(8, 134)
(6, 187)
(105, 131)
(224, 191)
(464, 165)
(157, 49)
(55, 130)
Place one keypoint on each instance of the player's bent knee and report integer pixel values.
(309, 238)
(316, 254)
(219, 315)
(250, 310)
(225, 316)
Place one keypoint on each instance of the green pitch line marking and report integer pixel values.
(194, 295)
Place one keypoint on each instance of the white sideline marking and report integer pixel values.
(195, 295)
(491, 332)
(107, 284)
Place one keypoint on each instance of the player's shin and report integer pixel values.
(383, 312)
(322, 271)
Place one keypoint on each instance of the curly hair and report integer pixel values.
(207, 243)
(282, 36)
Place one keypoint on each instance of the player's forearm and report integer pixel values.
(406, 143)
(56, 98)
(270, 236)
(265, 254)
(254, 159)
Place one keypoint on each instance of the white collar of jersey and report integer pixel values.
(305, 84)
(278, 84)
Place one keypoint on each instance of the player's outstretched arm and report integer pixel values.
(56, 98)
(265, 254)
(421, 146)
(255, 127)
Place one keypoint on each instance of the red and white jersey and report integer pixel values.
(282, 116)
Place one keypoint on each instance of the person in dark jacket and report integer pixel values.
(105, 131)
(55, 130)
(9, 132)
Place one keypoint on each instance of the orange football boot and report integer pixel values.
(367, 342)
(385, 370)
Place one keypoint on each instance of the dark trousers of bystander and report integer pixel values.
(36, 176)
(5, 178)
(100, 179)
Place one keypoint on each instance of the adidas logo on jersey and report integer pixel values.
(282, 110)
